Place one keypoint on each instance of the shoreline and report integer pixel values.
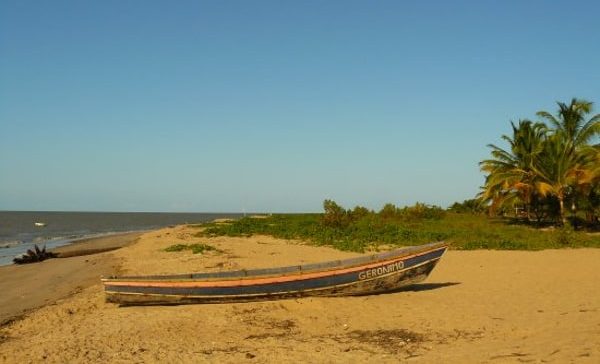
(59, 244)
(97, 244)
(80, 264)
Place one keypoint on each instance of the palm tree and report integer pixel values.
(511, 174)
(570, 123)
(557, 171)
(569, 165)
(588, 186)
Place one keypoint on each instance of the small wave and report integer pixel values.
(10, 244)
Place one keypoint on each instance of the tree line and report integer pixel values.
(336, 216)
(550, 170)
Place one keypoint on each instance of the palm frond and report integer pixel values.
(546, 115)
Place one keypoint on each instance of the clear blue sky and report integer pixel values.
(274, 105)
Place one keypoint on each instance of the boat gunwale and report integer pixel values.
(294, 270)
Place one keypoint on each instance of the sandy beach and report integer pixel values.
(30, 286)
(477, 306)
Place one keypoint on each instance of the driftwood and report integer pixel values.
(35, 255)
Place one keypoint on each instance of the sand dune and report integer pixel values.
(477, 306)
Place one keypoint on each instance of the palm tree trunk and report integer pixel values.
(562, 209)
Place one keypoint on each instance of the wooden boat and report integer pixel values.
(364, 275)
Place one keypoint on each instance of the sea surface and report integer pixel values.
(19, 233)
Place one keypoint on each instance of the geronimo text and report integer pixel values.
(375, 272)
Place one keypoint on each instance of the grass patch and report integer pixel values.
(197, 248)
(464, 231)
(176, 248)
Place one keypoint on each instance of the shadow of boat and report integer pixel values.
(416, 287)
(426, 286)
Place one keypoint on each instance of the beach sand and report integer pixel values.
(477, 306)
(29, 286)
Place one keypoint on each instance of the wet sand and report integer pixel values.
(477, 306)
(97, 245)
(26, 287)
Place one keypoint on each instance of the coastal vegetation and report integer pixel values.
(197, 248)
(550, 173)
(360, 229)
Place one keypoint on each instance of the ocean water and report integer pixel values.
(19, 233)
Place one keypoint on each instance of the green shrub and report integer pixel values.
(197, 248)
(176, 248)
(472, 206)
(201, 248)
(422, 211)
(360, 228)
